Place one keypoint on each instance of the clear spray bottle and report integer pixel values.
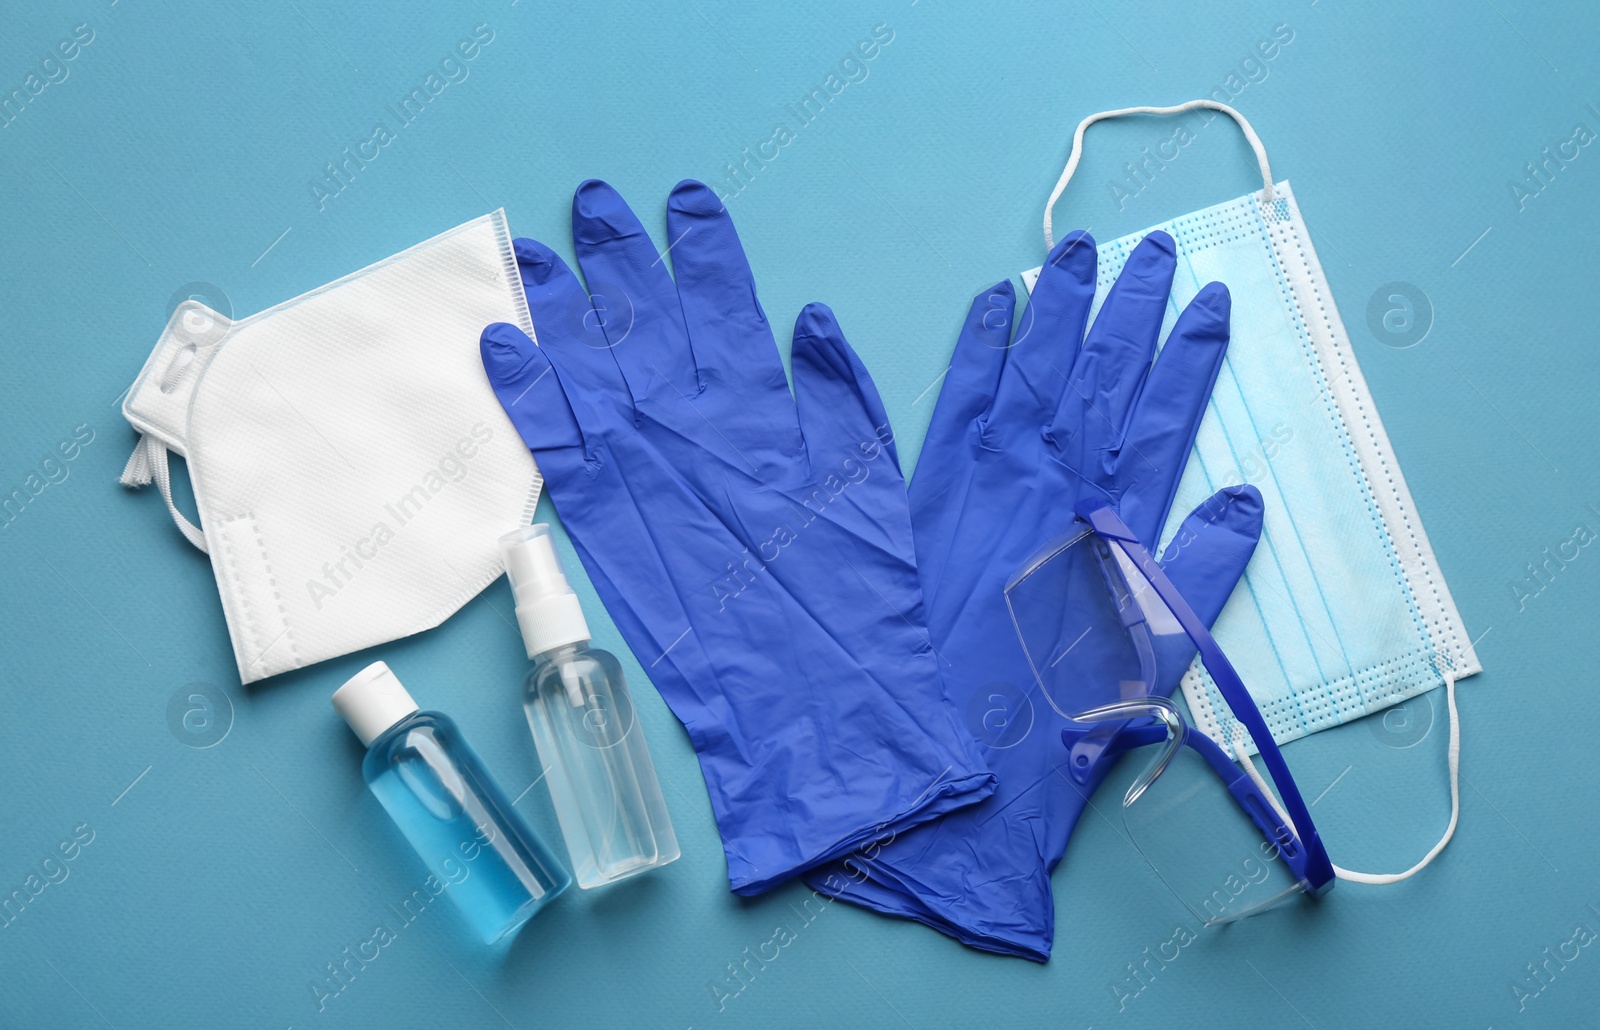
(596, 763)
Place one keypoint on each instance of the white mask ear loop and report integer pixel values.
(149, 462)
(1083, 126)
(1455, 795)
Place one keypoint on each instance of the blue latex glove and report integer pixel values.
(754, 548)
(1027, 424)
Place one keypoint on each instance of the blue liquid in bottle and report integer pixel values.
(433, 785)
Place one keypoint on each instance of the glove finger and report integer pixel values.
(1167, 415)
(565, 320)
(531, 393)
(1047, 338)
(630, 287)
(841, 415)
(728, 331)
(969, 383)
(1115, 357)
(947, 462)
(1208, 554)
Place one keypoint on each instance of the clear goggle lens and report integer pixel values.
(1196, 838)
(1101, 642)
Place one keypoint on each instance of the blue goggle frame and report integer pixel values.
(1299, 844)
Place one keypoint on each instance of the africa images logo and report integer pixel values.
(338, 573)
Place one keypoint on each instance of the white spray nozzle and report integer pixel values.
(547, 610)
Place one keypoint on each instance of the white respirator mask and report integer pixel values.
(351, 465)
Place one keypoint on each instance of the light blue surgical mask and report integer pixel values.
(1343, 610)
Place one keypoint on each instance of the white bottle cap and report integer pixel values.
(371, 701)
(547, 609)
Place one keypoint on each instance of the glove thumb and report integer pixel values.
(841, 414)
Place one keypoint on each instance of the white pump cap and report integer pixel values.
(371, 701)
(547, 609)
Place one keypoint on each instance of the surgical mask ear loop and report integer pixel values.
(1192, 105)
(1381, 879)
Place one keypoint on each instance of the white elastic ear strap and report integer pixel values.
(149, 462)
(1454, 758)
(1192, 105)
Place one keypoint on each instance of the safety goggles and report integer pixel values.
(1106, 632)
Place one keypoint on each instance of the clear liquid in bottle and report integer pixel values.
(595, 759)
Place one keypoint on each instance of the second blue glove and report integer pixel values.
(1032, 417)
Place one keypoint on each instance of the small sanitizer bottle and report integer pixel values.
(477, 848)
(596, 764)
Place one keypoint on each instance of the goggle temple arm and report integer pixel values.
(1259, 808)
(1318, 872)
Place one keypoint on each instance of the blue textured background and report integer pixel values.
(179, 148)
